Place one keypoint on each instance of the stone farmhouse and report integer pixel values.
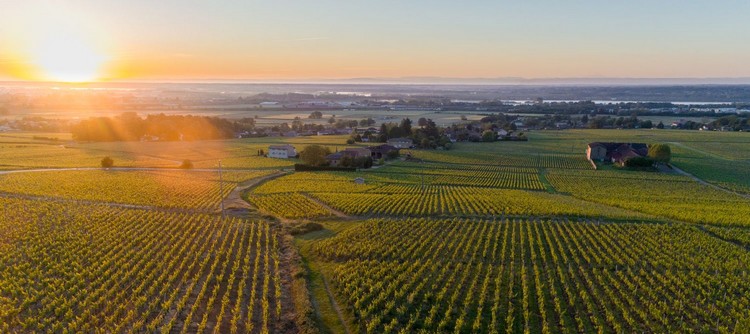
(352, 152)
(282, 151)
(615, 152)
(381, 151)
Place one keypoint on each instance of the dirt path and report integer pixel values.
(335, 304)
(337, 213)
(234, 199)
(701, 181)
(716, 156)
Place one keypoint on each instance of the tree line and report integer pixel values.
(130, 127)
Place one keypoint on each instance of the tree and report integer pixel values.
(346, 161)
(297, 123)
(660, 153)
(332, 120)
(431, 130)
(107, 162)
(186, 164)
(314, 155)
(488, 136)
(406, 126)
(316, 115)
(362, 162)
(395, 132)
(422, 122)
(660, 125)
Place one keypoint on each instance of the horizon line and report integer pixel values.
(417, 80)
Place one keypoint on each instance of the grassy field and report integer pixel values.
(485, 237)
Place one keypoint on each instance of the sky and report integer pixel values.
(324, 39)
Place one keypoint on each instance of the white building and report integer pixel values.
(282, 151)
(401, 142)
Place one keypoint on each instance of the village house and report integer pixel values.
(282, 151)
(352, 152)
(382, 151)
(615, 152)
(401, 142)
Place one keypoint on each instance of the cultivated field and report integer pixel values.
(485, 237)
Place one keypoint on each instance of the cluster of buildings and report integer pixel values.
(615, 152)
(374, 152)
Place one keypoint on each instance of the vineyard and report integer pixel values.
(676, 197)
(92, 268)
(167, 189)
(291, 206)
(538, 276)
(414, 200)
(512, 237)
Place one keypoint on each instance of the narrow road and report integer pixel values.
(234, 199)
(701, 181)
(709, 154)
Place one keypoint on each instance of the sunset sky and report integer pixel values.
(323, 39)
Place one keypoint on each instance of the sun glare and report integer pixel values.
(66, 55)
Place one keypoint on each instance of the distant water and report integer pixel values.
(681, 103)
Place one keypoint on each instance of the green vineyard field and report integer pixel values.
(93, 268)
(538, 276)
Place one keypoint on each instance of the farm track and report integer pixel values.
(706, 183)
(234, 199)
(713, 155)
(335, 304)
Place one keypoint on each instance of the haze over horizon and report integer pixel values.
(81, 41)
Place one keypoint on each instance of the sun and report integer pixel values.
(64, 54)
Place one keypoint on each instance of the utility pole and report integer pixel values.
(221, 191)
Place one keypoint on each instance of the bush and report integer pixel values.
(186, 164)
(308, 168)
(107, 162)
(363, 162)
(660, 152)
(314, 155)
(639, 162)
(489, 136)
